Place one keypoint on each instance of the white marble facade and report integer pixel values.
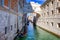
(50, 16)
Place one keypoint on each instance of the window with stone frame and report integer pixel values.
(48, 5)
(58, 9)
(47, 13)
(58, 25)
(52, 2)
(11, 27)
(47, 23)
(52, 12)
(52, 23)
(15, 25)
(5, 30)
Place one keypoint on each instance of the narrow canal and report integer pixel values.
(37, 34)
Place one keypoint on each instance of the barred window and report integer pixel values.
(52, 12)
(5, 30)
(52, 23)
(59, 10)
(59, 25)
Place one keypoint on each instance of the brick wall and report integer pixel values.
(6, 3)
(14, 5)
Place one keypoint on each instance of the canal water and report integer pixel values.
(36, 33)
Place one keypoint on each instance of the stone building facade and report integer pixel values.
(10, 18)
(50, 16)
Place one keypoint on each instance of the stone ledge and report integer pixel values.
(55, 34)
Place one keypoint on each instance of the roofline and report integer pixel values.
(47, 1)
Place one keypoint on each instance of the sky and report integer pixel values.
(37, 1)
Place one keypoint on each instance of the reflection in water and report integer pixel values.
(30, 33)
(38, 34)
